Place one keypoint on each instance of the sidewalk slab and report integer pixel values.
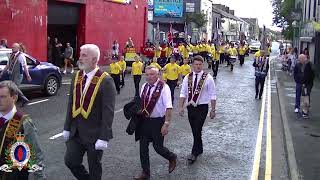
(305, 132)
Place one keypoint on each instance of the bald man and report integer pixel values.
(303, 76)
(156, 113)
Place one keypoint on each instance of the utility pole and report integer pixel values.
(263, 39)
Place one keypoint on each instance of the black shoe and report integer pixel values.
(192, 158)
(256, 97)
(305, 115)
(260, 97)
(118, 92)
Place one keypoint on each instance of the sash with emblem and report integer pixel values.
(148, 106)
(9, 132)
(83, 100)
(194, 96)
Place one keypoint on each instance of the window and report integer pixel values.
(4, 58)
(314, 8)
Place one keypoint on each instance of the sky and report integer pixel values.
(261, 9)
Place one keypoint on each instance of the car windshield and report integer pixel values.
(255, 44)
(4, 57)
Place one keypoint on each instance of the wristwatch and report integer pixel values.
(166, 123)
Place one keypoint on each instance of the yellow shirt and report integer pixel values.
(257, 54)
(221, 49)
(217, 56)
(123, 65)
(115, 68)
(137, 68)
(154, 64)
(212, 50)
(242, 50)
(181, 48)
(185, 69)
(157, 53)
(232, 51)
(172, 71)
(168, 51)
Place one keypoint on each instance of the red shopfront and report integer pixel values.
(75, 21)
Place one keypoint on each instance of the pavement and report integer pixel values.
(302, 144)
(236, 142)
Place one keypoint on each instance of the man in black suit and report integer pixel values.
(88, 126)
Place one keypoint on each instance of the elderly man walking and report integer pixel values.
(88, 125)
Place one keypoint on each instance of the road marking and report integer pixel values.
(66, 83)
(257, 154)
(55, 136)
(36, 102)
(268, 170)
(60, 134)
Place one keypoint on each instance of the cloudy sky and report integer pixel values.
(260, 9)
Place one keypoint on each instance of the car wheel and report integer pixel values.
(51, 86)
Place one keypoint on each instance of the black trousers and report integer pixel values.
(197, 116)
(241, 58)
(222, 58)
(136, 80)
(74, 157)
(172, 85)
(151, 132)
(116, 79)
(123, 75)
(215, 67)
(259, 85)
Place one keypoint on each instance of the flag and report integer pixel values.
(170, 36)
(157, 38)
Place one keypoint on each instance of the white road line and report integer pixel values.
(55, 136)
(66, 83)
(60, 134)
(36, 102)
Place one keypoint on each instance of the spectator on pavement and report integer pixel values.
(3, 43)
(68, 58)
(115, 49)
(57, 55)
(303, 76)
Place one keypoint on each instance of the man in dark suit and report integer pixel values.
(88, 126)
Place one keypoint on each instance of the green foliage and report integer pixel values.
(282, 11)
(199, 19)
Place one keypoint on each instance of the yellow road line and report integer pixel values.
(268, 170)
(257, 154)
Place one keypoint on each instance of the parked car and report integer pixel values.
(45, 76)
(254, 47)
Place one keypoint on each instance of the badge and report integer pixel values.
(20, 155)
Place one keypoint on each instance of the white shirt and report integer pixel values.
(9, 115)
(208, 91)
(164, 102)
(90, 75)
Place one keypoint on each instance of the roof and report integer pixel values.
(227, 15)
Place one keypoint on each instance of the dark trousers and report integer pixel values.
(259, 85)
(116, 79)
(222, 58)
(241, 58)
(74, 157)
(136, 80)
(299, 93)
(215, 67)
(172, 85)
(197, 116)
(151, 132)
(123, 75)
(227, 58)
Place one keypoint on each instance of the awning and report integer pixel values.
(306, 39)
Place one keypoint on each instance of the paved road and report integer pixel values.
(229, 140)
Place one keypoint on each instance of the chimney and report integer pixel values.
(231, 12)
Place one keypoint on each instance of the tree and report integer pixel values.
(199, 19)
(282, 11)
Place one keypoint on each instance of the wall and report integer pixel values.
(25, 21)
(107, 21)
(206, 8)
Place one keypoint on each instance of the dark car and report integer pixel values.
(45, 76)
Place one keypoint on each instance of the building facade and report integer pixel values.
(75, 21)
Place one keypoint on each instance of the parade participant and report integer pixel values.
(172, 73)
(169, 51)
(137, 68)
(198, 88)
(185, 68)
(304, 77)
(123, 66)
(157, 53)
(242, 52)
(221, 52)
(261, 65)
(68, 58)
(155, 64)
(115, 72)
(156, 117)
(13, 125)
(215, 63)
(16, 68)
(232, 51)
(90, 112)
